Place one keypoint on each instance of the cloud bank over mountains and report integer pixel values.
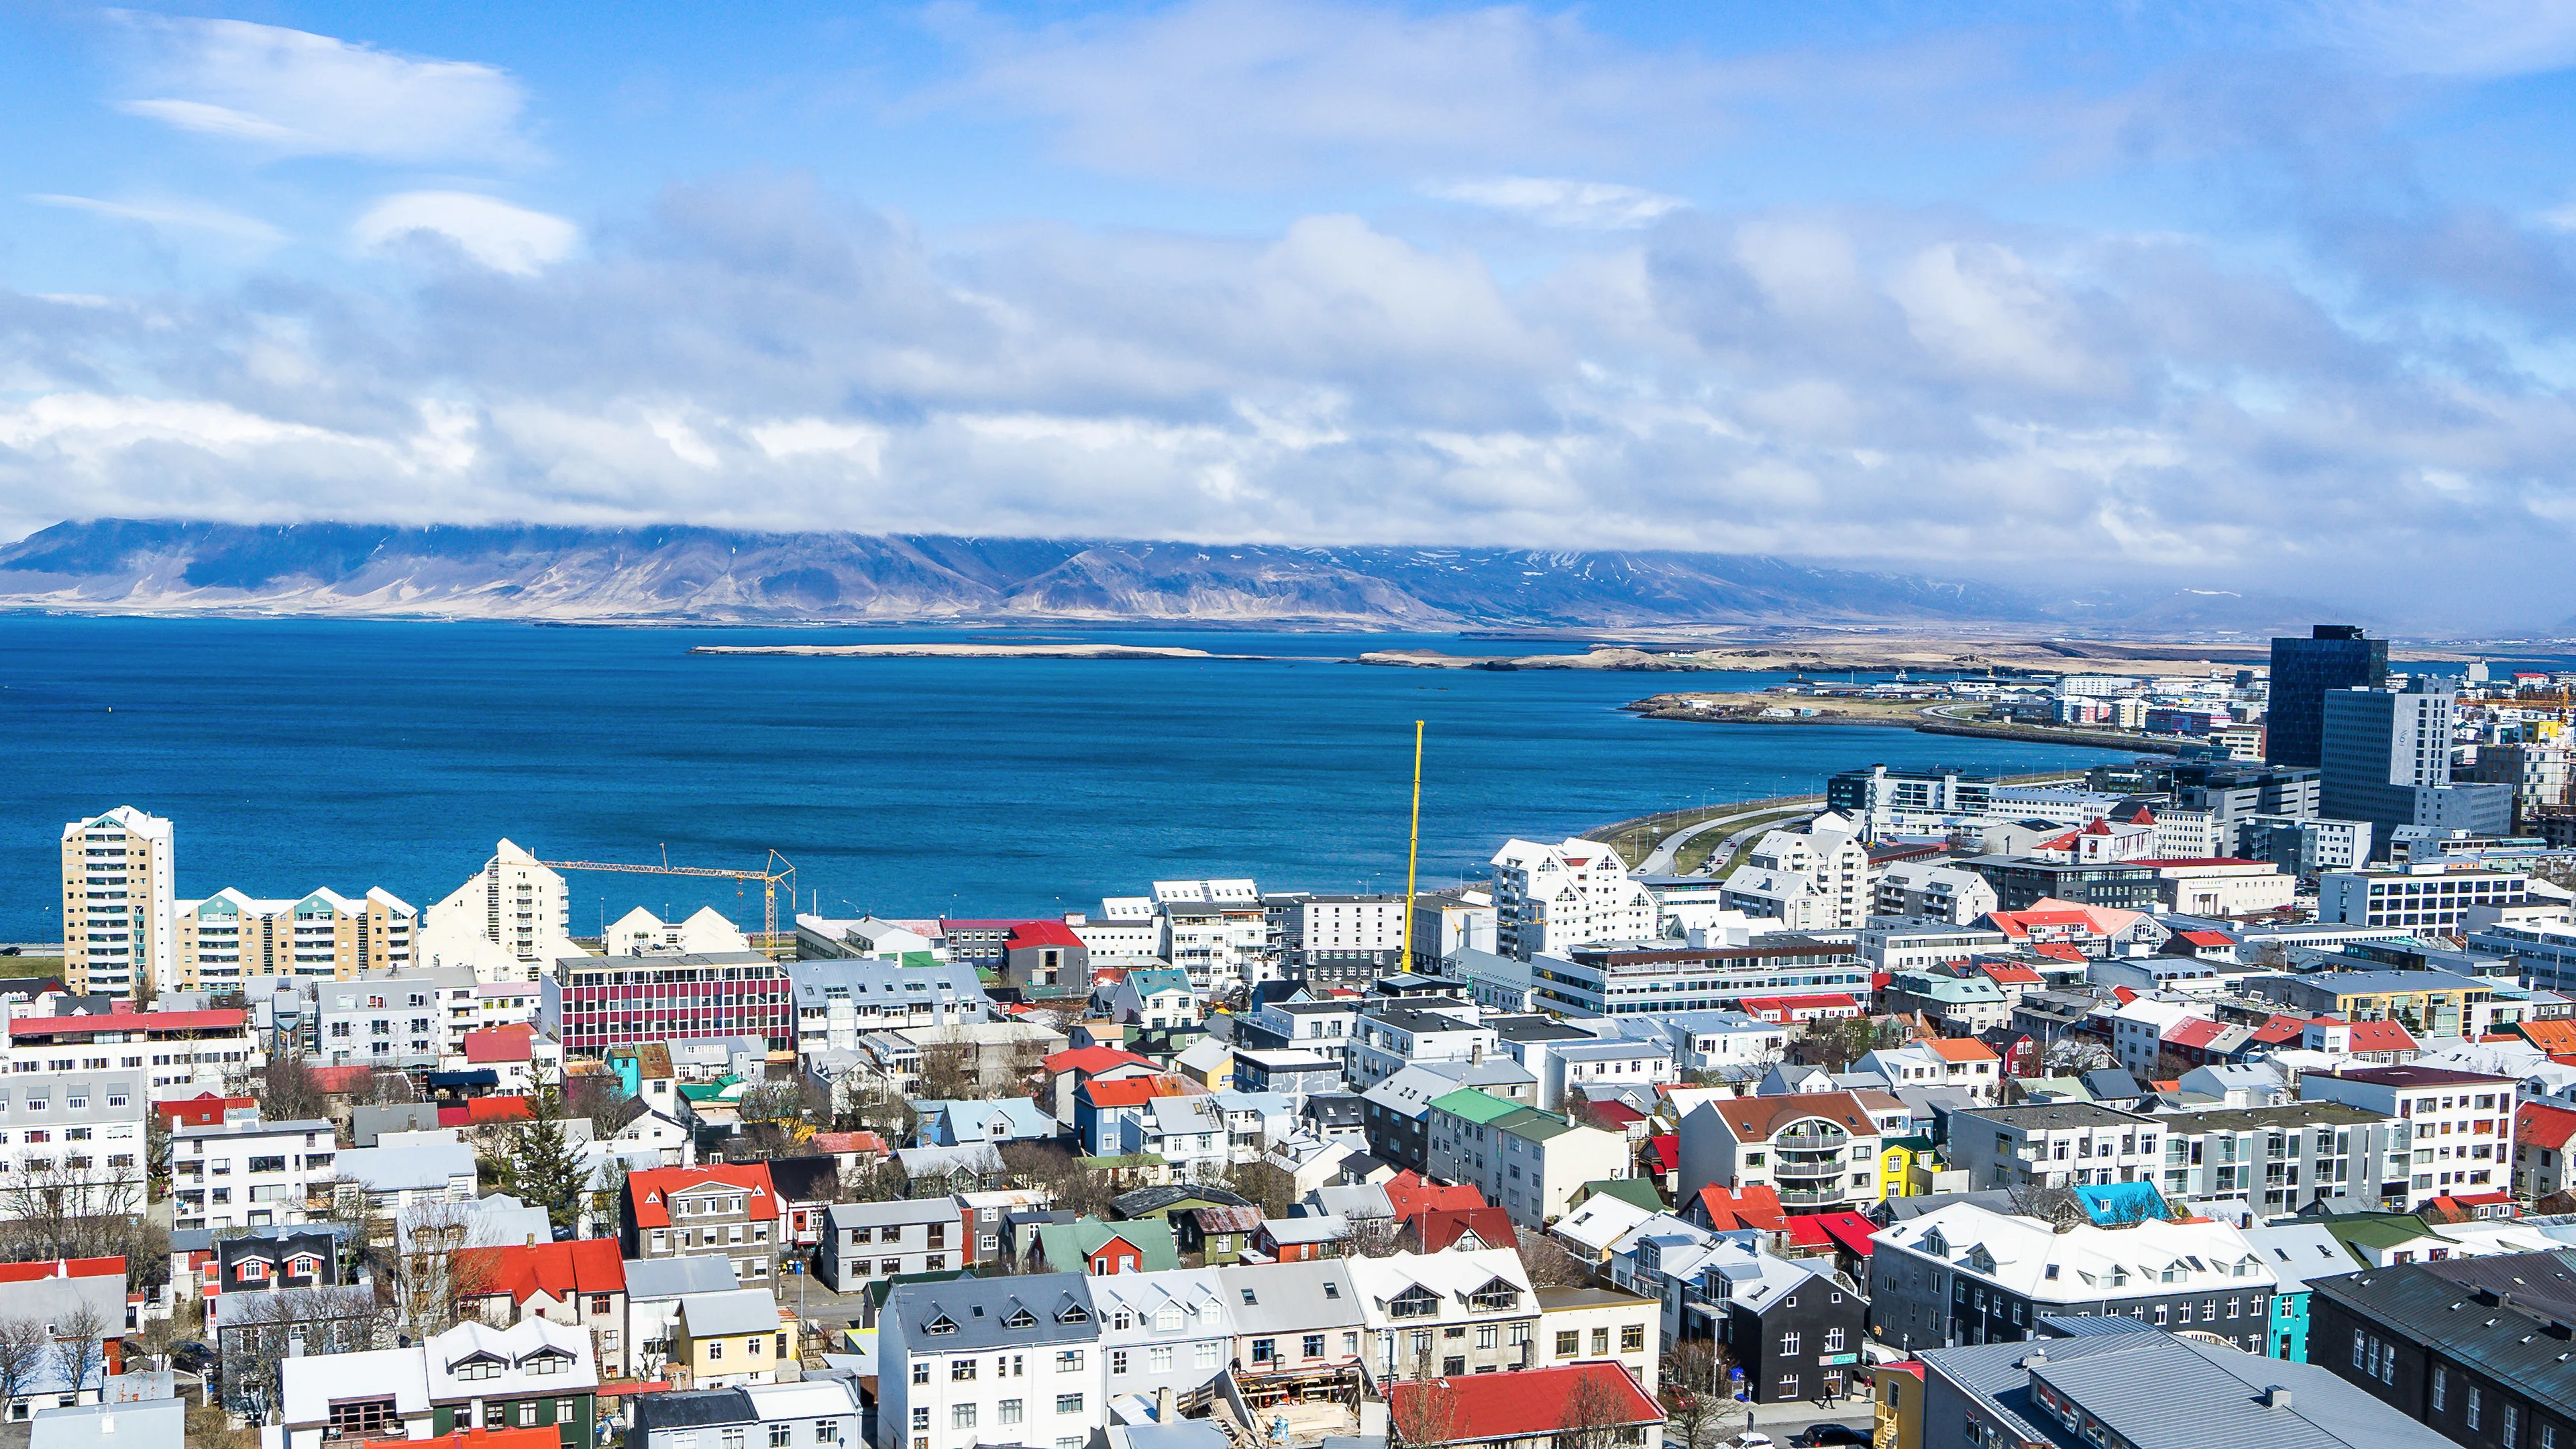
(1528, 337)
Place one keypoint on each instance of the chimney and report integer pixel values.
(1163, 1405)
(2038, 1356)
(2277, 1396)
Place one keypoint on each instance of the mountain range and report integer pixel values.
(679, 574)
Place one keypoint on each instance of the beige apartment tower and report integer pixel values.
(230, 938)
(119, 903)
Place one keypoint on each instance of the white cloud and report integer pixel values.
(2465, 38)
(171, 214)
(290, 92)
(1552, 201)
(494, 233)
(1223, 89)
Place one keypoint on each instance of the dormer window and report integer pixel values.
(478, 1366)
(1414, 1302)
(547, 1362)
(252, 1270)
(1020, 1318)
(1495, 1297)
(941, 1326)
(1073, 1313)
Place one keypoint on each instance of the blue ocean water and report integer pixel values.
(296, 754)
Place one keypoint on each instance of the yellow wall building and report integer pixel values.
(721, 1340)
(229, 938)
(118, 874)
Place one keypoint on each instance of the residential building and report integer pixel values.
(230, 938)
(143, 1424)
(78, 1134)
(1043, 958)
(1394, 1112)
(1819, 1150)
(1448, 922)
(1168, 1330)
(1877, 790)
(820, 1411)
(1567, 1069)
(2021, 882)
(119, 903)
(578, 1284)
(251, 1173)
(2296, 1252)
(972, 1361)
(2335, 657)
(404, 1170)
(403, 1022)
(2054, 1144)
(2222, 885)
(1905, 942)
(1795, 1326)
(2256, 1163)
(592, 1003)
(1705, 1041)
(641, 933)
(2436, 895)
(1644, 978)
(507, 923)
(58, 1369)
(1325, 1028)
(534, 1374)
(2438, 1003)
(837, 1002)
(1962, 1062)
(182, 1053)
(1815, 879)
(1354, 939)
(1966, 1274)
(2467, 1347)
(2304, 847)
(1444, 1315)
(1527, 1162)
(654, 1288)
(1154, 998)
(1933, 890)
(1549, 899)
(729, 1339)
(2460, 1125)
(731, 1209)
(1393, 1037)
(1960, 1000)
(1576, 1325)
(2542, 1135)
(2145, 1389)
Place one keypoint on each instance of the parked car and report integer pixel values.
(1751, 1439)
(1820, 1436)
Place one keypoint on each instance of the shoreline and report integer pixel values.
(980, 651)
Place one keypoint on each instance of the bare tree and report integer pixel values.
(266, 1333)
(80, 1345)
(288, 1091)
(1695, 1394)
(1550, 1264)
(1425, 1411)
(1374, 1237)
(1596, 1416)
(75, 1207)
(947, 1068)
(1264, 1184)
(438, 1262)
(2074, 1055)
(24, 1350)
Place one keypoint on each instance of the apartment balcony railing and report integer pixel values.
(1826, 1198)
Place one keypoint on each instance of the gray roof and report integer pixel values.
(736, 1310)
(2453, 1306)
(898, 1212)
(653, 1414)
(977, 1312)
(2156, 1391)
(2050, 1116)
(157, 1424)
(2297, 1252)
(1291, 1297)
(2258, 1119)
(673, 1277)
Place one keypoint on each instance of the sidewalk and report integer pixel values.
(1782, 1420)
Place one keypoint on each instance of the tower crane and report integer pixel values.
(775, 869)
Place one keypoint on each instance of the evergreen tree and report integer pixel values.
(544, 1168)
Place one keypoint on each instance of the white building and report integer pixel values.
(2221, 886)
(1949, 1061)
(509, 921)
(406, 1169)
(119, 902)
(1814, 879)
(80, 1133)
(1933, 890)
(2436, 894)
(1918, 945)
(2461, 1123)
(1527, 1162)
(249, 1174)
(641, 933)
(1549, 899)
(989, 1361)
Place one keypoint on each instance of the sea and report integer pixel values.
(300, 754)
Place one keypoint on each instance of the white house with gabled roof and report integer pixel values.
(1445, 1314)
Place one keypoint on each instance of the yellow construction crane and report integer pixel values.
(772, 871)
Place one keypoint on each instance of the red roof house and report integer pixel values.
(62, 1268)
(649, 1192)
(496, 1044)
(1721, 1210)
(486, 1112)
(1484, 1227)
(1413, 1196)
(543, 1279)
(1532, 1404)
(203, 1110)
(1664, 1153)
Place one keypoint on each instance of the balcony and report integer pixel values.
(1800, 1198)
(1809, 1171)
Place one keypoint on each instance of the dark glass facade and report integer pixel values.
(2336, 656)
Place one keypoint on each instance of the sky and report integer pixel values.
(2223, 296)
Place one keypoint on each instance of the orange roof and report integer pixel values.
(479, 1111)
(650, 1191)
(1961, 1049)
(1128, 1092)
(2552, 1036)
(62, 1268)
(839, 1142)
(1092, 1059)
(1754, 1207)
(2535, 1125)
(2006, 972)
(1410, 1193)
(494, 1439)
(498, 1044)
(558, 1270)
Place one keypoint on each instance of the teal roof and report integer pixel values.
(1067, 1244)
(1482, 1108)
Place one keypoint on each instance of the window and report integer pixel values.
(2441, 1387)
(921, 1372)
(733, 1434)
(1068, 1361)
(1118, 1360)
(1265, 1350)
(2473, 1406)
(1833, 1340)
(1789, 1342)
(962, 1371)
(961, 1416)
(920, 1419)
(1632, 1338)
(1159, 1360)
(1010, 1411)
(1600, 1342)
(1068, 1403)
(1569, 1344)
(363, 1417)
(778, 1436)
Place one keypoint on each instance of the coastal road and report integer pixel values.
(1660, 860)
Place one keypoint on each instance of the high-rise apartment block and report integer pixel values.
(118, 902)
(509, 922)
(2304, 671)
(229, 938)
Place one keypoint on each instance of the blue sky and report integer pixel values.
(2247, 296)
